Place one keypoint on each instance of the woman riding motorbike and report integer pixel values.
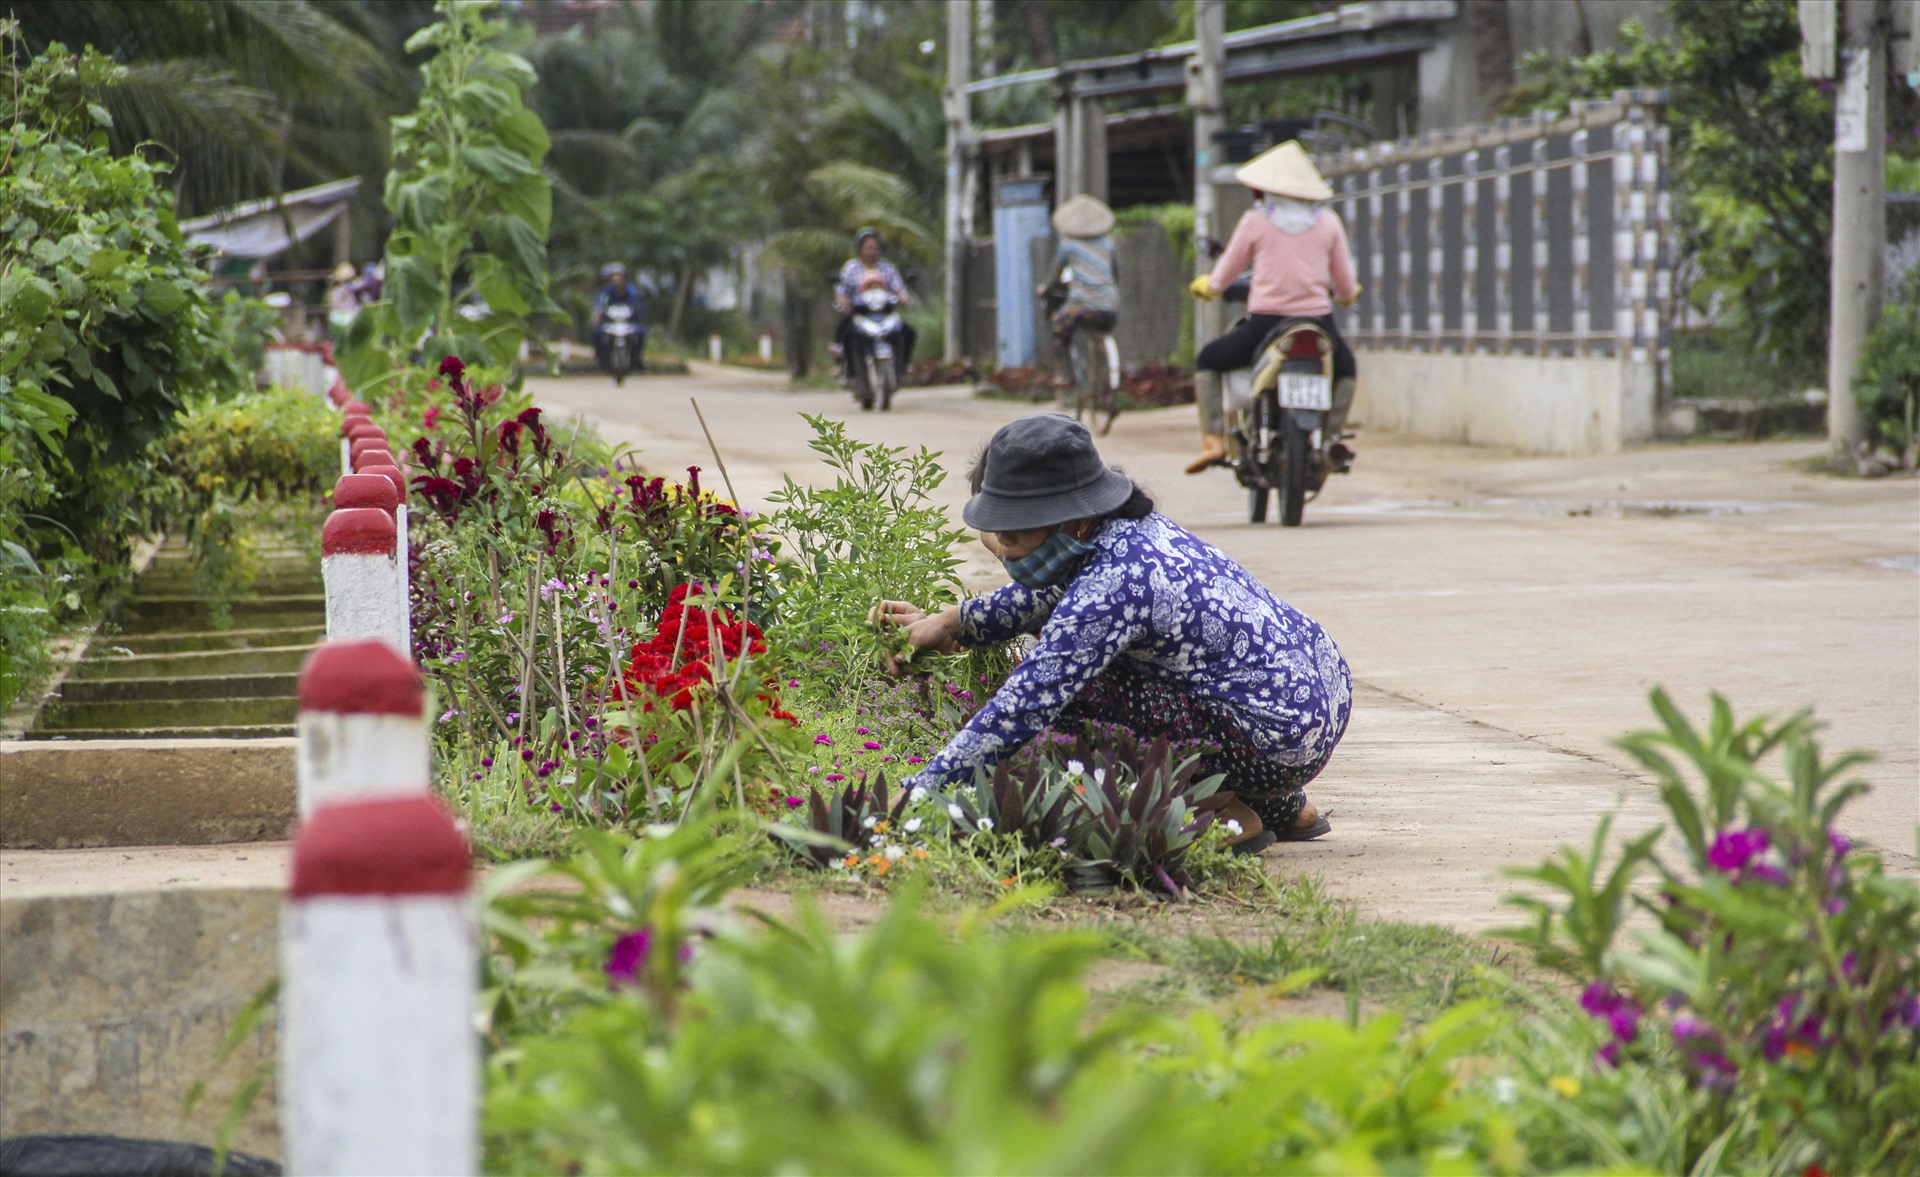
(1301, 265)
(854, 277)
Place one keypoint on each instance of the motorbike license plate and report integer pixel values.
(1305, 391)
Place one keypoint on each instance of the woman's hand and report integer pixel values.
(939, 633)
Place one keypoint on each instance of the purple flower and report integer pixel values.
(794, 802)
(1608, 1057)
(1839, 842)
(823, 738)
(871, 745)
(1732, 850)
(836, 776)
(628, 957)
(1768, 874)
(526, 754)
(486, 762)
(860, 731)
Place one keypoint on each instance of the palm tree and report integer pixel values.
(249, 97)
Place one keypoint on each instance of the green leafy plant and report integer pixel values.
(1780, 979)
(1888, 386)
(470, 208)
(913, 1045)
(106, 332)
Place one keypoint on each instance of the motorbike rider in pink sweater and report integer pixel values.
(1301, 265)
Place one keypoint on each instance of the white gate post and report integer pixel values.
(401, 567)
(379, 1058)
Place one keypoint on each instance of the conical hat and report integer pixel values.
(1083, 216)
(1285, 171)
(344, 272)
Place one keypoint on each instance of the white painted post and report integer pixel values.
(397, 480)
(379, 1060)
(362, 725)
(357, 562)
(766, 347)
(714, 346)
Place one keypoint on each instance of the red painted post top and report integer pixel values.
(338, 394)
(366, 490)
(359, 531)
(361, 676)
(363, 427)
(392, 474)
(385, 846)
(355, 406)
(349, 420)
(371, 451)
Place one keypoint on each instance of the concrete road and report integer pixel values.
(1505, 616)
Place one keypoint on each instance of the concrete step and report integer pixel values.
(123, 970)
(224, 731)
(293, 581)
(172, 613)
(253, 637)
(159, 688)
(262, 660)
(225, 711)
(145, 792)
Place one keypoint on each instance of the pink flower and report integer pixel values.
(836, 776)
(871, 745)
(916, 760)
(628, 957)
(860, 731)
(823, 738)
(794, 803)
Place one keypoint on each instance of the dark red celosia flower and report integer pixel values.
(424, 454)
(453, 367)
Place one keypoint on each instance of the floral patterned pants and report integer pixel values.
(1151, 706)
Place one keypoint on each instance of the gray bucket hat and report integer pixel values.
(1041, 470)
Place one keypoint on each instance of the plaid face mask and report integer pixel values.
(1056, 561)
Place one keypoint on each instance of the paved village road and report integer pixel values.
(1505, 616)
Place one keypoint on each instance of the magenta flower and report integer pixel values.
(836, 776)
(823, 738)
(860, 731)
(1732, 850)
(794, 802)
(916, 760)
(628, 957)
(871, 745)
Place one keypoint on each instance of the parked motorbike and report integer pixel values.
(873, 347)
(1277, 443)
(624, 337)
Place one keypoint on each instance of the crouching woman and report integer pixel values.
(1140, 624)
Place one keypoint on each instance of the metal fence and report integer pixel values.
(1544, 236)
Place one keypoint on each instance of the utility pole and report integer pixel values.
(1859, 209)
(959, 119)
(1206, 94)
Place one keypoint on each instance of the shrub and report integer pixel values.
(654, 1033)
(1776, 998)
(1888, 384)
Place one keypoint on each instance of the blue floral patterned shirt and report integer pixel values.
(1155, 592)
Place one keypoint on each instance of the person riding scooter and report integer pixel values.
(615, 290)
(1297, 249)
(854, 277)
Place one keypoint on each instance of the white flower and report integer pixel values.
(837, 864)
(869, 822)
(912, 825)
(1099, 776)
(1075, 768)
(915, 796)
(986, 824)
(955, 812)
(896, 852)
(1504, 1088)
(1233, 827)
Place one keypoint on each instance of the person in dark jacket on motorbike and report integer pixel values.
(616, 290)
(859, 271)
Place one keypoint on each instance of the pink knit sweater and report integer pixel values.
(1293, 273)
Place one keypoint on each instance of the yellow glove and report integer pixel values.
(1347, 302)
(1202, 287)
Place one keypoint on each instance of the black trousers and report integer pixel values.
(1236, 348)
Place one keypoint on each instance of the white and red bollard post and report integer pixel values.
(363, 725)
(366, 595)
(379, 1057)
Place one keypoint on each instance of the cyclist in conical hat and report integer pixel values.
(1297, 249)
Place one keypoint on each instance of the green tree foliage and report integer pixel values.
(1751, 162)
(105, 326)
(470, 206)
(247, 96)
(105, 330)
(1888, 386)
